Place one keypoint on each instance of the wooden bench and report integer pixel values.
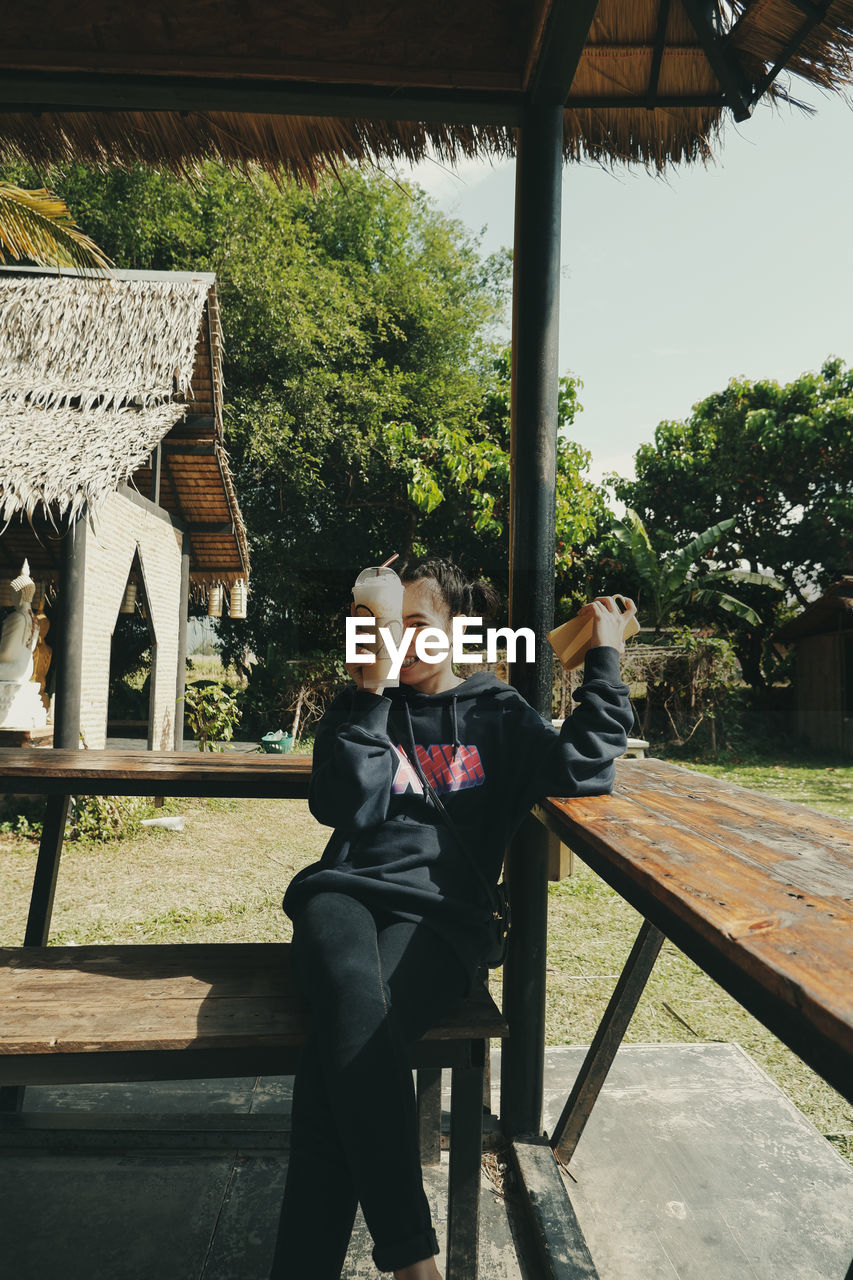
(74, 1015)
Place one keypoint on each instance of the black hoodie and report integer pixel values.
(489, 756)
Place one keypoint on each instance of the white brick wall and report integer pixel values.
(120, 529)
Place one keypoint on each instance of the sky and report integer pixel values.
(672, 286)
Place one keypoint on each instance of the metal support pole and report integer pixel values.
(523, 1053)
(69, 662)
(181, 681)
(535, 380)
(536, 296)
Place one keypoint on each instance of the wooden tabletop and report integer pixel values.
(758, 891)
(50, 771)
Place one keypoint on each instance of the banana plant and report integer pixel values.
(39, 226)
(668, 583)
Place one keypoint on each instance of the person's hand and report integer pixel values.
(358, 670)
(608, 621)
(363, 673)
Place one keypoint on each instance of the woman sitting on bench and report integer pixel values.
(393, 922)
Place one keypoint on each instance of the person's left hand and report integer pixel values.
(608, 621)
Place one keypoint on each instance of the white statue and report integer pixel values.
(21, 706)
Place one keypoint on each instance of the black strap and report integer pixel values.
(432, 794)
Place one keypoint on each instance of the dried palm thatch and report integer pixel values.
(90, 373)
(767, 30)
(301, 147)
(99, 345)
(65, 459)
(645, 89)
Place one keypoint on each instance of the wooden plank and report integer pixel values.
(560, 1245)
(101, 999)
(173, 773)
(799, 946)
(489, 99)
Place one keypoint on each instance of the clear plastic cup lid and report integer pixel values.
(375, 572)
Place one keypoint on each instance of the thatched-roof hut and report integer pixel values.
(823, 636)
(111, 408)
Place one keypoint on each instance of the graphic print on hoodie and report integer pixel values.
(447, 768)
(390, 848)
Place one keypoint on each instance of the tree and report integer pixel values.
(778, 458)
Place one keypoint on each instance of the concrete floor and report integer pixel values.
(693, 1165)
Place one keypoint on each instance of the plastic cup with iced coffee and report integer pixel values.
(378, 593)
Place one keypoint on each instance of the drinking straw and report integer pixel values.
(390, 560)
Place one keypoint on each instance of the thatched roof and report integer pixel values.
(94, 376)
(306, 86)
(832, 612)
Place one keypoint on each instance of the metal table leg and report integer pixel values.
(41, 906)
(606, 1042)
(47, 870)
(466, 1144)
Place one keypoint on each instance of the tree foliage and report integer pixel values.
(779, 459)
(36, 226)
(367, 392)
(670, 584)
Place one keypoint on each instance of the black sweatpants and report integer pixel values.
(375, 985)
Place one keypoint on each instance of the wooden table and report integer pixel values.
(757, 891)
(60, 774)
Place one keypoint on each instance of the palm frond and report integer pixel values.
(755, 579)
(723, 601)
(682, 562)
(39, 226)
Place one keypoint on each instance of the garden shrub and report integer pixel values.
(96, 818)
(90, 818)
(290, 693)
(211, 711)
(684, 683)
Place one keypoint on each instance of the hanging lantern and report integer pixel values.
(237, 605)
(128, 604)
(5, 592)
(214, 601)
